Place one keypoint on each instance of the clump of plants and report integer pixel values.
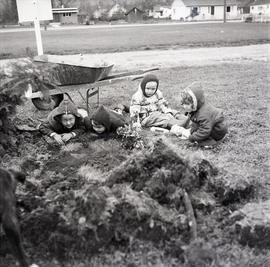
(130, 137)
(16, 80)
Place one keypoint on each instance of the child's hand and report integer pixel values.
(185, 133)
(58, 139)
(177, 130)
(67, 136)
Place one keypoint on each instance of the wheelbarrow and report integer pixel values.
(68, 78)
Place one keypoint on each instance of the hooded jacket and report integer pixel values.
(53, 122)
(144, 105)
(110, 119)
(207, 121)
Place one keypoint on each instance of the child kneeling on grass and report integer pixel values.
(105, 120)
(148, 106)
(207, 122)
(63, 123)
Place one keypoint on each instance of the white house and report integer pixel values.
(161, 12)
(260, 7)
(64, 15)
(203, 9)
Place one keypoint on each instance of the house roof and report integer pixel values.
(245, 3)
(260, 2)
(159, 7)
(65, 10)
(208, 2)
(133, 9)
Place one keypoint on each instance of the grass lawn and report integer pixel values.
(241, 90)
(114, 39)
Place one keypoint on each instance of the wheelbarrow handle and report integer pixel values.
(143, 72)
(147, 70)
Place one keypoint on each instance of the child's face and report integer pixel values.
(188, 107)
(150, 88)
(68, 120)
(98, 128)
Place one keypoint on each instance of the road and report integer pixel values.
(145, 37)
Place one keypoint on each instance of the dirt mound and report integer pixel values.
(82, 221)
(84, 196)
(252, 224)
(70, 207)
(163, 174)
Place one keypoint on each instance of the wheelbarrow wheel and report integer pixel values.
(48, 103)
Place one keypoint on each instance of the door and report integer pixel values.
(212, 10)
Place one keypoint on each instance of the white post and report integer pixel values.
(37, 29)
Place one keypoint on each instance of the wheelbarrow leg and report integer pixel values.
(67, 94)
(98, 96)
(91, 92)
(87, 100)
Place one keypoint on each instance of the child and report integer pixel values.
(208, 123)
(104, 120)
(63, 123)
(149, 107)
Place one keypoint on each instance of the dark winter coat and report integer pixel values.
(207, 121)
(53, 122)
(110, 119)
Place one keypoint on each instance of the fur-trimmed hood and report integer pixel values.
(197, 96)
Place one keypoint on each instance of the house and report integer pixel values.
(161, 12)
(134, 14)
(203, 9)
(244, 6)
(260, 7)
(65, 15)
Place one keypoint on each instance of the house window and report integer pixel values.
(194, 11)
(228, 9)
(212, 10)
(66, 14)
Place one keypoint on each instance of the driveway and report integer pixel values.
(134, 60)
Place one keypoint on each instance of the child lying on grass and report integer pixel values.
(148, 106)
(63, 123)
(208, 124)
(105, 120)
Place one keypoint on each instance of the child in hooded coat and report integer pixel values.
(208, 124)
(63, 123)
(149, 106)
(104, 120)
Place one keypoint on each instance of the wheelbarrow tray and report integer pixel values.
(71, 73)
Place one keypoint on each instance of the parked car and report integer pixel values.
(249, 18)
